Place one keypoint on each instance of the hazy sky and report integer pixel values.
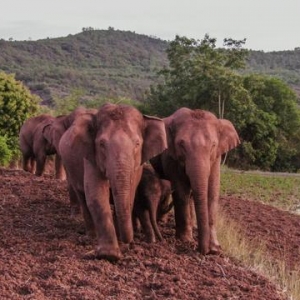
(266, 24)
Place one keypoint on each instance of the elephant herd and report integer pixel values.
(117, 157)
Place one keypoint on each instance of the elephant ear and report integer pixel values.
(170, 132)
(155, 141)
(88, 136)
(229, 138)
(46, 131)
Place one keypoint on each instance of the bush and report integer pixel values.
(5, 152)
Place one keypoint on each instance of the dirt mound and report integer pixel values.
(44, 253)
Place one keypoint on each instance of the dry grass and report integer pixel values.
(255, 257)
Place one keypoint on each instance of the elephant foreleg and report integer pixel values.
(89, 225)
(213, 203)
(183, 219)
(40, 164)
(97, 197)
(144, 217)
(60, 172)
(28, 163)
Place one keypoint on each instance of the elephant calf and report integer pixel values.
(152, 202)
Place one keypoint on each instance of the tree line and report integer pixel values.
(264, 109)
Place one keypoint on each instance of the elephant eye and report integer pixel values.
(181, 144)
(137, 143)
(102, 143)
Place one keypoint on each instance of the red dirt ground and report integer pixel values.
(44, 253)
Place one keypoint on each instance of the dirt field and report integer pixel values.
(44, 253)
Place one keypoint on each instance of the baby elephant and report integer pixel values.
(152, 202)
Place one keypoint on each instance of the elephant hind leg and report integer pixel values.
(28, 163)
(40, 165)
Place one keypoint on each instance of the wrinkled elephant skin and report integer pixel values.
(196, 141)
(106, 151)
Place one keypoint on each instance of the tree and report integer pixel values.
(263, 109)
(199, 75)
(273, 129)
(16, 105)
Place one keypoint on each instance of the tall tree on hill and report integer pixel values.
(199, 75)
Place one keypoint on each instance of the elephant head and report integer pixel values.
(60, 124)
(196, 141)
(55, 130)
(122, 139)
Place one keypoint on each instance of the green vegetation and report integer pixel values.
(264, 110)
(112, 63)
(102, 63)
(281, 190)
(16, 105)
(96, 66)
(5, 152)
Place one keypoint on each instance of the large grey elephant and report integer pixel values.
(196, 142)
(34, 146)
(106, 151)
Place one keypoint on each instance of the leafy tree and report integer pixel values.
(199, 75)
(67, 104)
(16, 105)
(273, 129)
(263, 109)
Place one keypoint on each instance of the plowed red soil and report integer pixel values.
(44, 253)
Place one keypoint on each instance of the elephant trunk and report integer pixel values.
(198, 173)
(120, 178)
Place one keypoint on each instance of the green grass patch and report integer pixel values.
(278, 189)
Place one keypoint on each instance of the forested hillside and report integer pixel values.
(112, 63)
(100, 62)
(282, 64)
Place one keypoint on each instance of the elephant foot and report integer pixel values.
(150, 239)
(215, 250)
(212, 249)
(184, 237)
(108, 253)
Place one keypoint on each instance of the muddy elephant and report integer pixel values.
(106, 151)
(58, 127)
(34, 146)
(196, 142)
(152, 202)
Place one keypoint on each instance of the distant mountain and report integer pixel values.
(282, 64)
(100, 62)
(111, 63)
